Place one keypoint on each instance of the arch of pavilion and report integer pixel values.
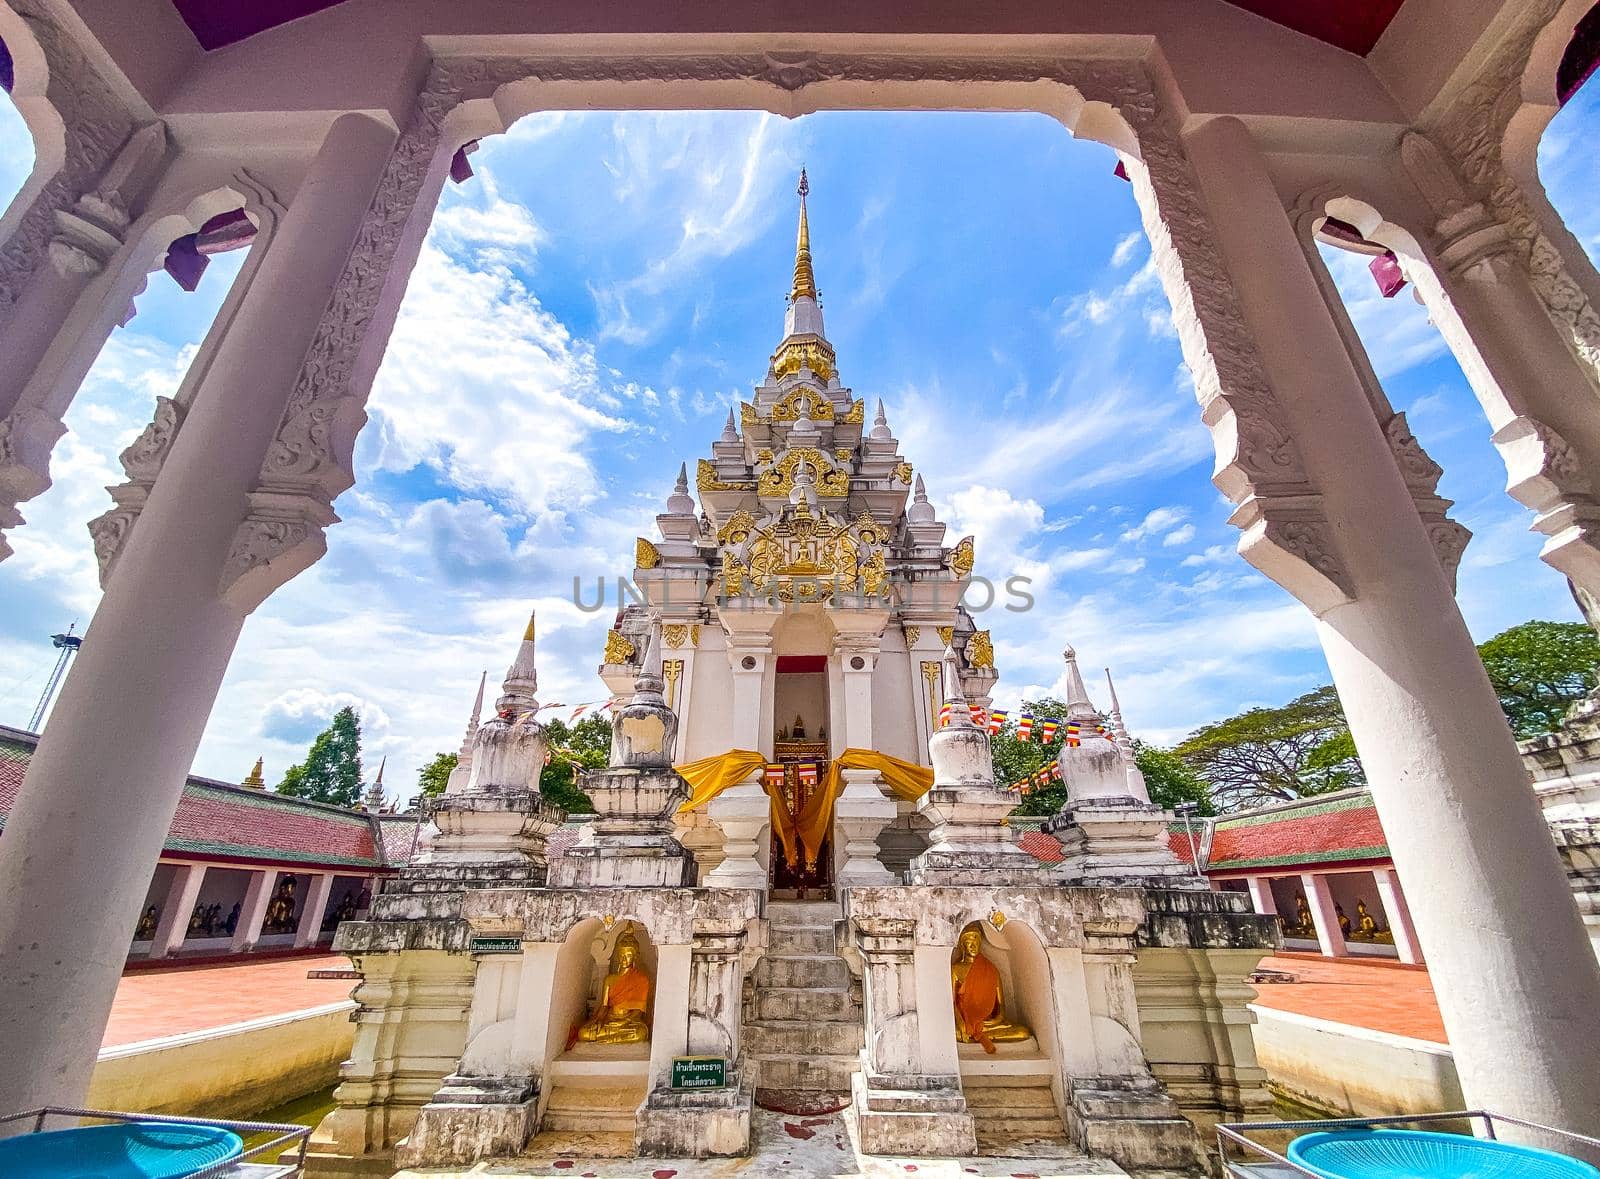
(1414, 121)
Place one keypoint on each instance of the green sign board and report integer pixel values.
(699, 1072)
(496, 945)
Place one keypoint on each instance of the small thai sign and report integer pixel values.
(496, 945)
(699, 1072)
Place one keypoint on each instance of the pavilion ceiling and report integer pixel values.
(1351, 25)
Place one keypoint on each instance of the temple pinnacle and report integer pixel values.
(805, 282)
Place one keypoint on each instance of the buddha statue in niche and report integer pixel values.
(624, 997)
(980, 1006)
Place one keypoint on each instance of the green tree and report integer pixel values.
(1169, 779)
(1267, 754)
(436, 773)
(331, 771)
(586, 744)
(1539, 670)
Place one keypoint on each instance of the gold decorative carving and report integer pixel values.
(706, 479)
(913, 633)
(739, 526)
(645, 554)
(902, 472)
(671, 673)
(764, 455)
(980, 650)
(675, 633)
(619, 648)
(998, 920)
(812, 352)
(803, 556)
(694, 635)
(963, 557)
(817, 407)
(856, 414)
(842, 453)
(947, 635)
(930, 676)
(749, 415)
(779, 479)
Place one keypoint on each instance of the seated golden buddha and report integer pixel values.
(980, 1006)
(620, 1017)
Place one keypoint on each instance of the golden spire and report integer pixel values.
(255, 781)
(805, 282)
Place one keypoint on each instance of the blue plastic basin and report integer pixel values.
(1419, 1154)
(130, 1150)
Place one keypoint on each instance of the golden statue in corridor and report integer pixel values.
(980, 1007)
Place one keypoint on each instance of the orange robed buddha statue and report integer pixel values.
(620, 1017)
(980, 1007)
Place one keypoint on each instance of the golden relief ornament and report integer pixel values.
(902, 472)
(675, 633)
(812, 352)
(779, 478)
(706, 478)
(804, 555)
(843, 454)
(856, 414)
(619, 648)
(980, 650)
(947, 635)
(913, 633)
(963, 557)
(788, 407)
(645, 554)
(671, 674)
(931, 672)
(764, 455)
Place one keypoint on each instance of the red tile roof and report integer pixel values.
(1044, 848)
(1332, 829)
(232, 823)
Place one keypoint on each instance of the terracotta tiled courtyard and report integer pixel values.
(155, 1003)
(1383, 996)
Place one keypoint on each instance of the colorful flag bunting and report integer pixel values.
(1025, 727)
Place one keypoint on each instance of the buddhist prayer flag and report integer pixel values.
(1047, 730)
(775, 775)
(997, 719)
(1025, 727)
(578, 711)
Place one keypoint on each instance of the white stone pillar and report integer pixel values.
(182, 894)
(78, 846)
(862, 809)
(1261, 898)
(1518, 987)
(1330, 938)
(1397, 914)
(313, 909)
(669, 1027)
(743, 812)
(253, 911)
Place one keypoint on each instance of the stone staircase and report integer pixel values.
(594, 1108)
(804, 1027)
(1014, 1115)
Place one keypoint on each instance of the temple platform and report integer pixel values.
(781, 1145)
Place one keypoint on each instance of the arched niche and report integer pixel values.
(578, 981)
(1026, 988)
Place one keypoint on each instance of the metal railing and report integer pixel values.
(1235, 1133)
(287, 1135)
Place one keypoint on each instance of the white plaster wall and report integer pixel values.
(895, 700)
(240, 1070)
(570, 991)
(1351, 1070)
(705, 731)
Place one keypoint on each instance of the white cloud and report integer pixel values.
(1396, 332)
(1179, 536)
(1126, 246)
(1157, 520)
(1213, 555)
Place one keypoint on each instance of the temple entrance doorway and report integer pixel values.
(800, 749)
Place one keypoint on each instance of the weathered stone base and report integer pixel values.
(1117, 842)
(648, 861)
(996, 864)
(1134, 1124)
(922, 1122)
(470, 1120)
(707, 1124)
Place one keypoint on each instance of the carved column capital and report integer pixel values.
(281, 535)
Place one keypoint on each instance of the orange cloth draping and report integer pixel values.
(710, 776)
(629, 991)
(906, 781)
(976, 998)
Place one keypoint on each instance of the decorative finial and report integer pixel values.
(378, 781)
(680, 502)
(805, 282)
(880, 424)
(255, 780)
(955, 697)
(730, 432)
(921, 511)
(522, 677)
(803, 492)
(1079, 706)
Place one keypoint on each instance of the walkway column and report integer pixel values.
(743, 812)
(253, 910)
(1518, 986)
(1397, 914)
(104, 782)
(314, 909)
(182, 895)
(1330, 938)
(1261, 898)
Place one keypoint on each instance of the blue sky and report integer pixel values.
(588, 307)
